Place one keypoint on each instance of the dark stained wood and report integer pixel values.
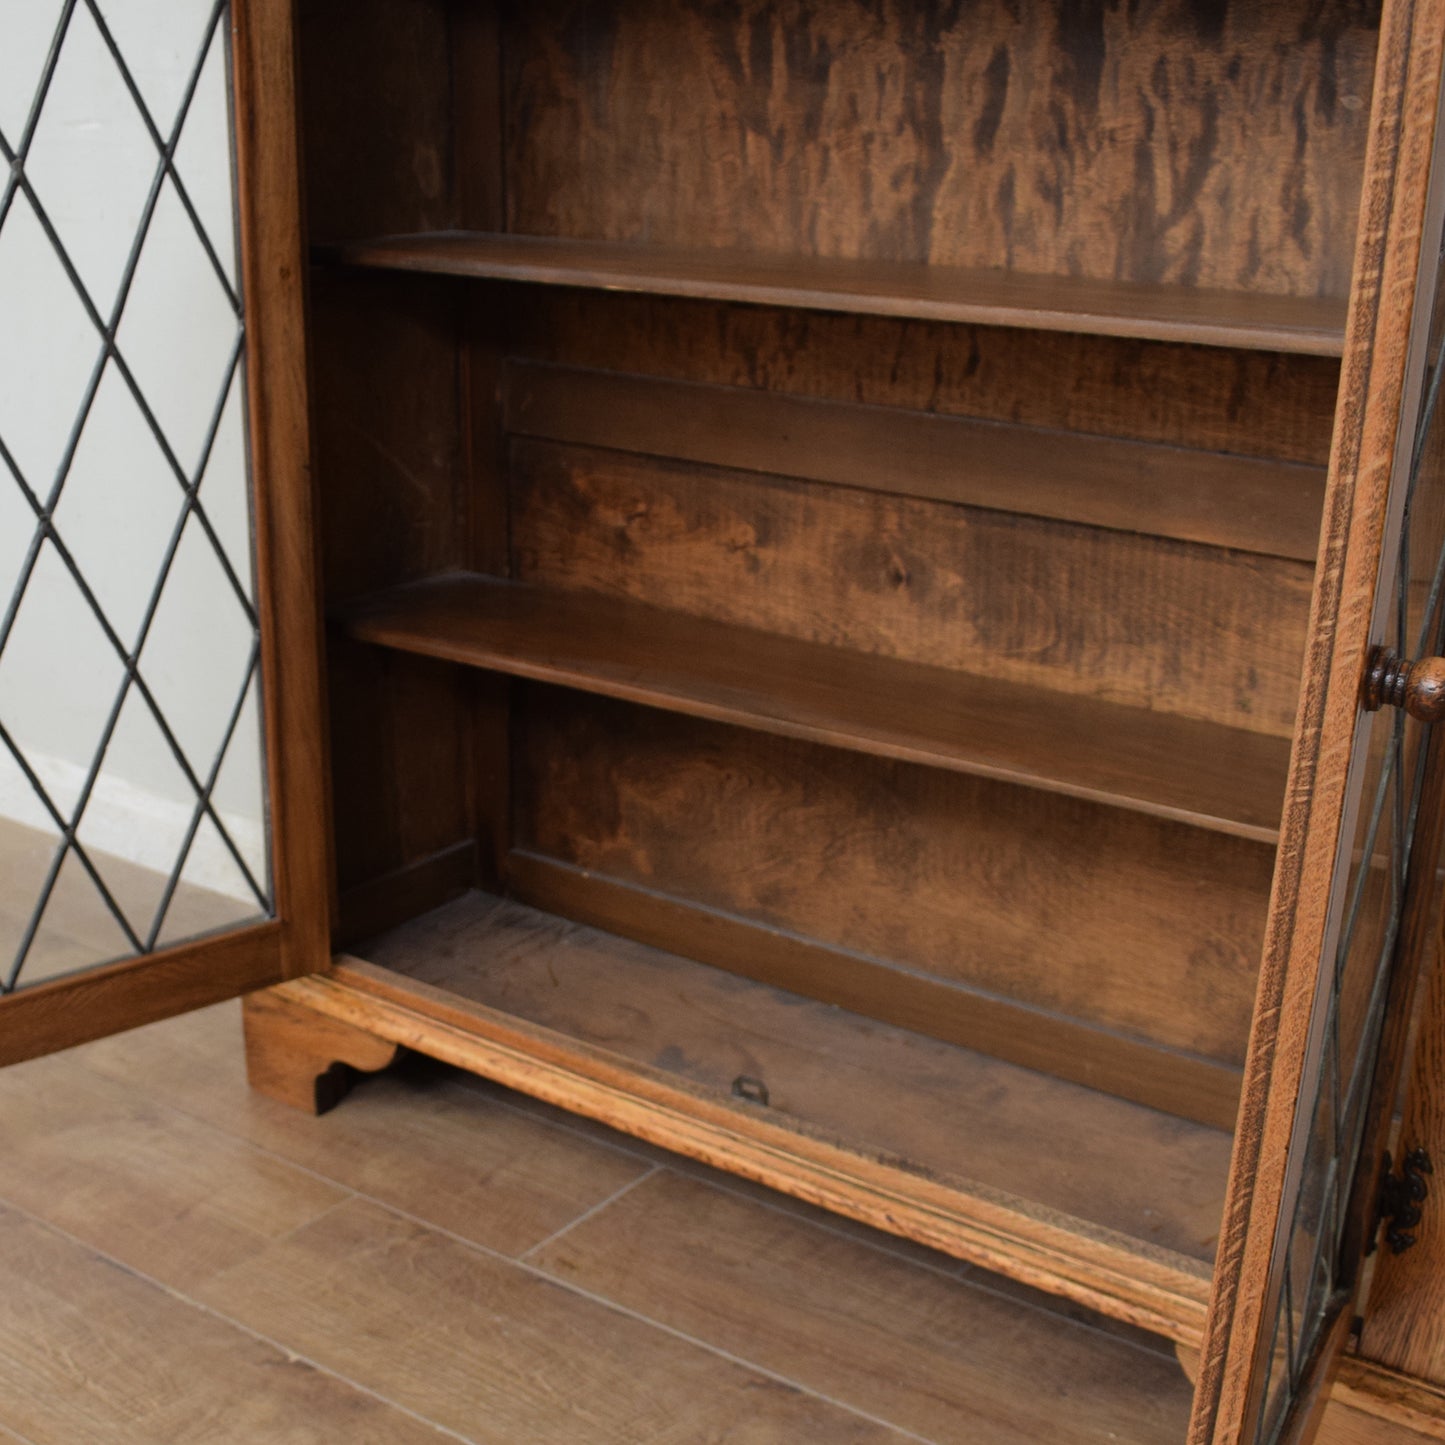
(375, 84)
(391, 464)
(89, 1005)
(389, 460)
(1215, 777)
(486, 494)
(859, 1081)
(1176, 1083)
(1111, 919)
(1418, 687)
(1226, 501)
(401, 746)
(1308, 326)
(1407, 1294)
(1380, 375)
(1193, 145)
(303, 1059)
(944, 385)
(478, 182)
(288, 594)
(383, 902)
(1167, 626)
(1248, 403)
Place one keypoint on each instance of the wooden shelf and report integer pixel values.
(933, 1141)
(1306, 325)
(1198, 773)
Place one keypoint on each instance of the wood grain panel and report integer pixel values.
(390, 406)
(502, 1354)
(935, 1355)
(1123, 921)
(1251, 403)
(1245, 503)
(1194, 631)
(1177, 142)
(931, 1109)
(391, 898)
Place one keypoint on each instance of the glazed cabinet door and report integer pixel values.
(1353, 911)
(162, 799)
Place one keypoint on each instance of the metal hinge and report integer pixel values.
(1401, 1196)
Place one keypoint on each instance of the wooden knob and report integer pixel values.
(1418, 687)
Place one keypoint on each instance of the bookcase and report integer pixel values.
(868, 583)
(820, 508)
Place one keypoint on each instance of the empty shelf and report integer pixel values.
(1308, 325)
(1195, 772)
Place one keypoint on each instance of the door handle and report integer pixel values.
(1418, 687)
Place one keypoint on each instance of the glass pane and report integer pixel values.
(1389, 762)
(132, 810)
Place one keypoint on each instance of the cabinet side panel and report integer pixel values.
(390, 459)
(378, 116)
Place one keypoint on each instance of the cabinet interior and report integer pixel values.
(819, 507)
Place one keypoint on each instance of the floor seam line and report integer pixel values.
(541, 1244)
(573, 1288)
(210, 1310)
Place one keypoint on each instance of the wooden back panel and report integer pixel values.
(1188, 142)
(898, 132)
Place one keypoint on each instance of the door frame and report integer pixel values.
(296, 940)
(1380, 375)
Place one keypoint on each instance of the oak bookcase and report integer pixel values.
(851, 538)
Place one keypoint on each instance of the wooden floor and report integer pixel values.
(181, 1260)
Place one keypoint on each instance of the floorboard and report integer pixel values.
(91, 1354)
(418, 1139)
(155, 1190)
(501, 1354)
(860, 1326)
(438, 1259)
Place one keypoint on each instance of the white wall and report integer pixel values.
(92, 164)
